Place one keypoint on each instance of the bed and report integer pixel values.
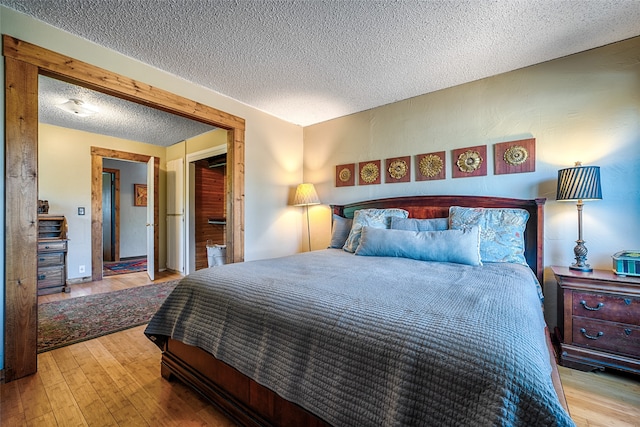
(331, 337)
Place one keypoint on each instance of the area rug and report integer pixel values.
(111, 268)
(73, 320)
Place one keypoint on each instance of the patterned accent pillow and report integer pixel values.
(339, 231)
(378, 218)
(416, 224)
(501, 231)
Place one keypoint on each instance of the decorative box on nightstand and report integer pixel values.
(599, 319)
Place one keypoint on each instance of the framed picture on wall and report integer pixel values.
(470, 161)
(515, 156)
(345, 175)
(139, 194)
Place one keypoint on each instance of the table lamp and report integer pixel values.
(579, 183)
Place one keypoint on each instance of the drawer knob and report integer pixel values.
(627, 331)
(591, 337)
(627, 301)
(42, 276)
(596, 308)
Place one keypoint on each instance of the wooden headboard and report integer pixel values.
(438, 207)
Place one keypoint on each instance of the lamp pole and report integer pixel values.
(580, 250)
(306, 207)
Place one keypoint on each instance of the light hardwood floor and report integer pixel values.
(115, 380)
(110, 284)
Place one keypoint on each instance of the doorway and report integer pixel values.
(23, 63)
(209, 210)
(212, 222)
(110, 214)
(98, 156)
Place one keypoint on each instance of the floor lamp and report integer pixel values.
(306, 195)
(579, 183)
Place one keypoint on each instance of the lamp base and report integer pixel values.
(580, 252)
(584, 268)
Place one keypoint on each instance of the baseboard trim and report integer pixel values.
(78, 280)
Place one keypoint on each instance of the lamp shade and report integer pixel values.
(306, 195)
(579, 183)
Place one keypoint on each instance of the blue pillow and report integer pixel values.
(458, 246)
(415, 224)
(379, 218)
(501, 231)
(339, 231)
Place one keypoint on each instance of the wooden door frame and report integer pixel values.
(97, 156)
(23, 63)
(116, 208)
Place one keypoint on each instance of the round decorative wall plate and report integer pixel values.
(369, 173)
(430, 165)
(344, 175)
(516, 155)
(469, 161)
(398, 169)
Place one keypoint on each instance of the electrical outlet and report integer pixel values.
(81, 269)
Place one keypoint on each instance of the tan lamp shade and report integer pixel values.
(306, 195)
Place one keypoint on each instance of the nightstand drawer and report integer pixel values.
(50, 258)
(606, 307)
(609, 336)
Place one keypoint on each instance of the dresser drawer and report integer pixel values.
(606, 307)
(609, 336)
(52, 246)
(51, 276)
(47, 259)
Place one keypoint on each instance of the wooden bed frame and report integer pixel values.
(250, 404)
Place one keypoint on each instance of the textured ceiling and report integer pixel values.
(116, 117)
(310, 61)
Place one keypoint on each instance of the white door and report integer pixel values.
(150, 217)
(175, 215)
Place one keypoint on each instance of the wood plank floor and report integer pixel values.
(110, 284)
(115, 380)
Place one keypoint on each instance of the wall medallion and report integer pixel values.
(398, 169)
(369, 172)
(515, 156)
(430, 166)
(345, 175)
(470, 161)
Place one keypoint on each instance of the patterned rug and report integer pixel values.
(111, 268)
(73, 320)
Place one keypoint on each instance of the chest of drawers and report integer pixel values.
(52, 254)
(599, 320)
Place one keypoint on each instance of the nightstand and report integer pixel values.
(599, 320)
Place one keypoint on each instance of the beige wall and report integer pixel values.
(583, 107)
(273, 148)
(64, 178)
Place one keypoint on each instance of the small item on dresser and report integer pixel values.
(626, 263)
(43, 207)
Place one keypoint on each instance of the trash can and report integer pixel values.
(216, 254)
